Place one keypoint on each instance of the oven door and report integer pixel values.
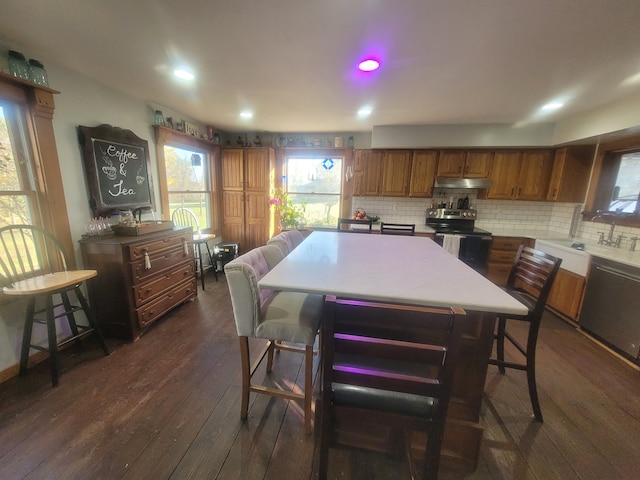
(473, 250)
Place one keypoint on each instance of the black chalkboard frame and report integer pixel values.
(118, 177)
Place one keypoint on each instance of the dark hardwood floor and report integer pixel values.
(167, 407)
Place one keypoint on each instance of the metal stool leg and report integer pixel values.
(200, 263)
(213, 266)
(92, 321)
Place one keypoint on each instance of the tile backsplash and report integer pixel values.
(494, 215)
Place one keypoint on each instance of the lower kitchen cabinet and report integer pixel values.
(501, 256)
(567, 293)
(140, 278)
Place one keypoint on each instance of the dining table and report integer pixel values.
(411, 270)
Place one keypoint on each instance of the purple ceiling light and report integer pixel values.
(369, 65)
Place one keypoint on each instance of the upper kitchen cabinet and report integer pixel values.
(423, 173)
(520, 175)
(464, 163)
(570, 174)
(367, 172)
(247, 180)
(396, 173)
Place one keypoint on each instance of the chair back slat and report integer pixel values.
(183, 217)
(27, 251)
(534, 271)
(390, 347)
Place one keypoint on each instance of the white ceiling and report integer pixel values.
(292, 62)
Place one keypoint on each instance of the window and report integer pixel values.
(187, 168)
(624, 198)
(615, 183)
(17, 195)
(315, 183)
(188, 182)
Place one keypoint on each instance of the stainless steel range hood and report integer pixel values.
(443, 182)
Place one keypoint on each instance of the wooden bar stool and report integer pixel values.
(35, 266)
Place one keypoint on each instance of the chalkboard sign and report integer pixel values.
(117, 166)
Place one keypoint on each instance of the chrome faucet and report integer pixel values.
(609, 241)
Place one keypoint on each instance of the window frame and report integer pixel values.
(36, 105)
(172, 138)
(603, 178)
(346, 192)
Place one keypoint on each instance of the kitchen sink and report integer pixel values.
(574, 260)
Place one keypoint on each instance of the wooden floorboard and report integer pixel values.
(167, 407)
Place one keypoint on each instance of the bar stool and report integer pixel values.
(186, 218)
(35, 267)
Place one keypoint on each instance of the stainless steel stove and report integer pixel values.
(472, 244)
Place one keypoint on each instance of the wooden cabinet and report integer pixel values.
(247, 181)
(367, 172)
(140, 278)
(396, 172)
(520, 175)
(570, 174)
(423, 173)
(567, 293)
(464, 163)
(501, 256)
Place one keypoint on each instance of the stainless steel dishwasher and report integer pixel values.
(611, 307)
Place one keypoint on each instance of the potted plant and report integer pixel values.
(291, 216)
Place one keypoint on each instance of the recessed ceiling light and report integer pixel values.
(183, 74)
(553, 106)
(369, 65)
(365, 111)
(246, 114)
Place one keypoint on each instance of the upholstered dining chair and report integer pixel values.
(530, 281)
(285, 319)
(34, 265)
(387, 365)
(184, 217)
(397, 228)
(286, 240)
(350, 222)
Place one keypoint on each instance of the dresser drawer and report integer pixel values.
(152, 311)
(137, 251)
(164, 281)
(159, 262)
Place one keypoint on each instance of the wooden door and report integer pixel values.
(233, 216)
(368, 172)
(256, 219)
(397, 169)
(423, 173)
(232, 168)
(505, 173)
(566, 293)
(478, 164)
(535, 171)
(257, 174)
(451, 163)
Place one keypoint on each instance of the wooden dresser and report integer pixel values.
(140, 278)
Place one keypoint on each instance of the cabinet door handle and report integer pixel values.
(147, 260)
(185, 248)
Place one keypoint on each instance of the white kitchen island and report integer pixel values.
(416, 271)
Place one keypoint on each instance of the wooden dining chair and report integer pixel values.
(387, 365)
(34, 265)
(530, 282)
(278, 317)
(351, 222)
(397, 228)
(184, 217)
